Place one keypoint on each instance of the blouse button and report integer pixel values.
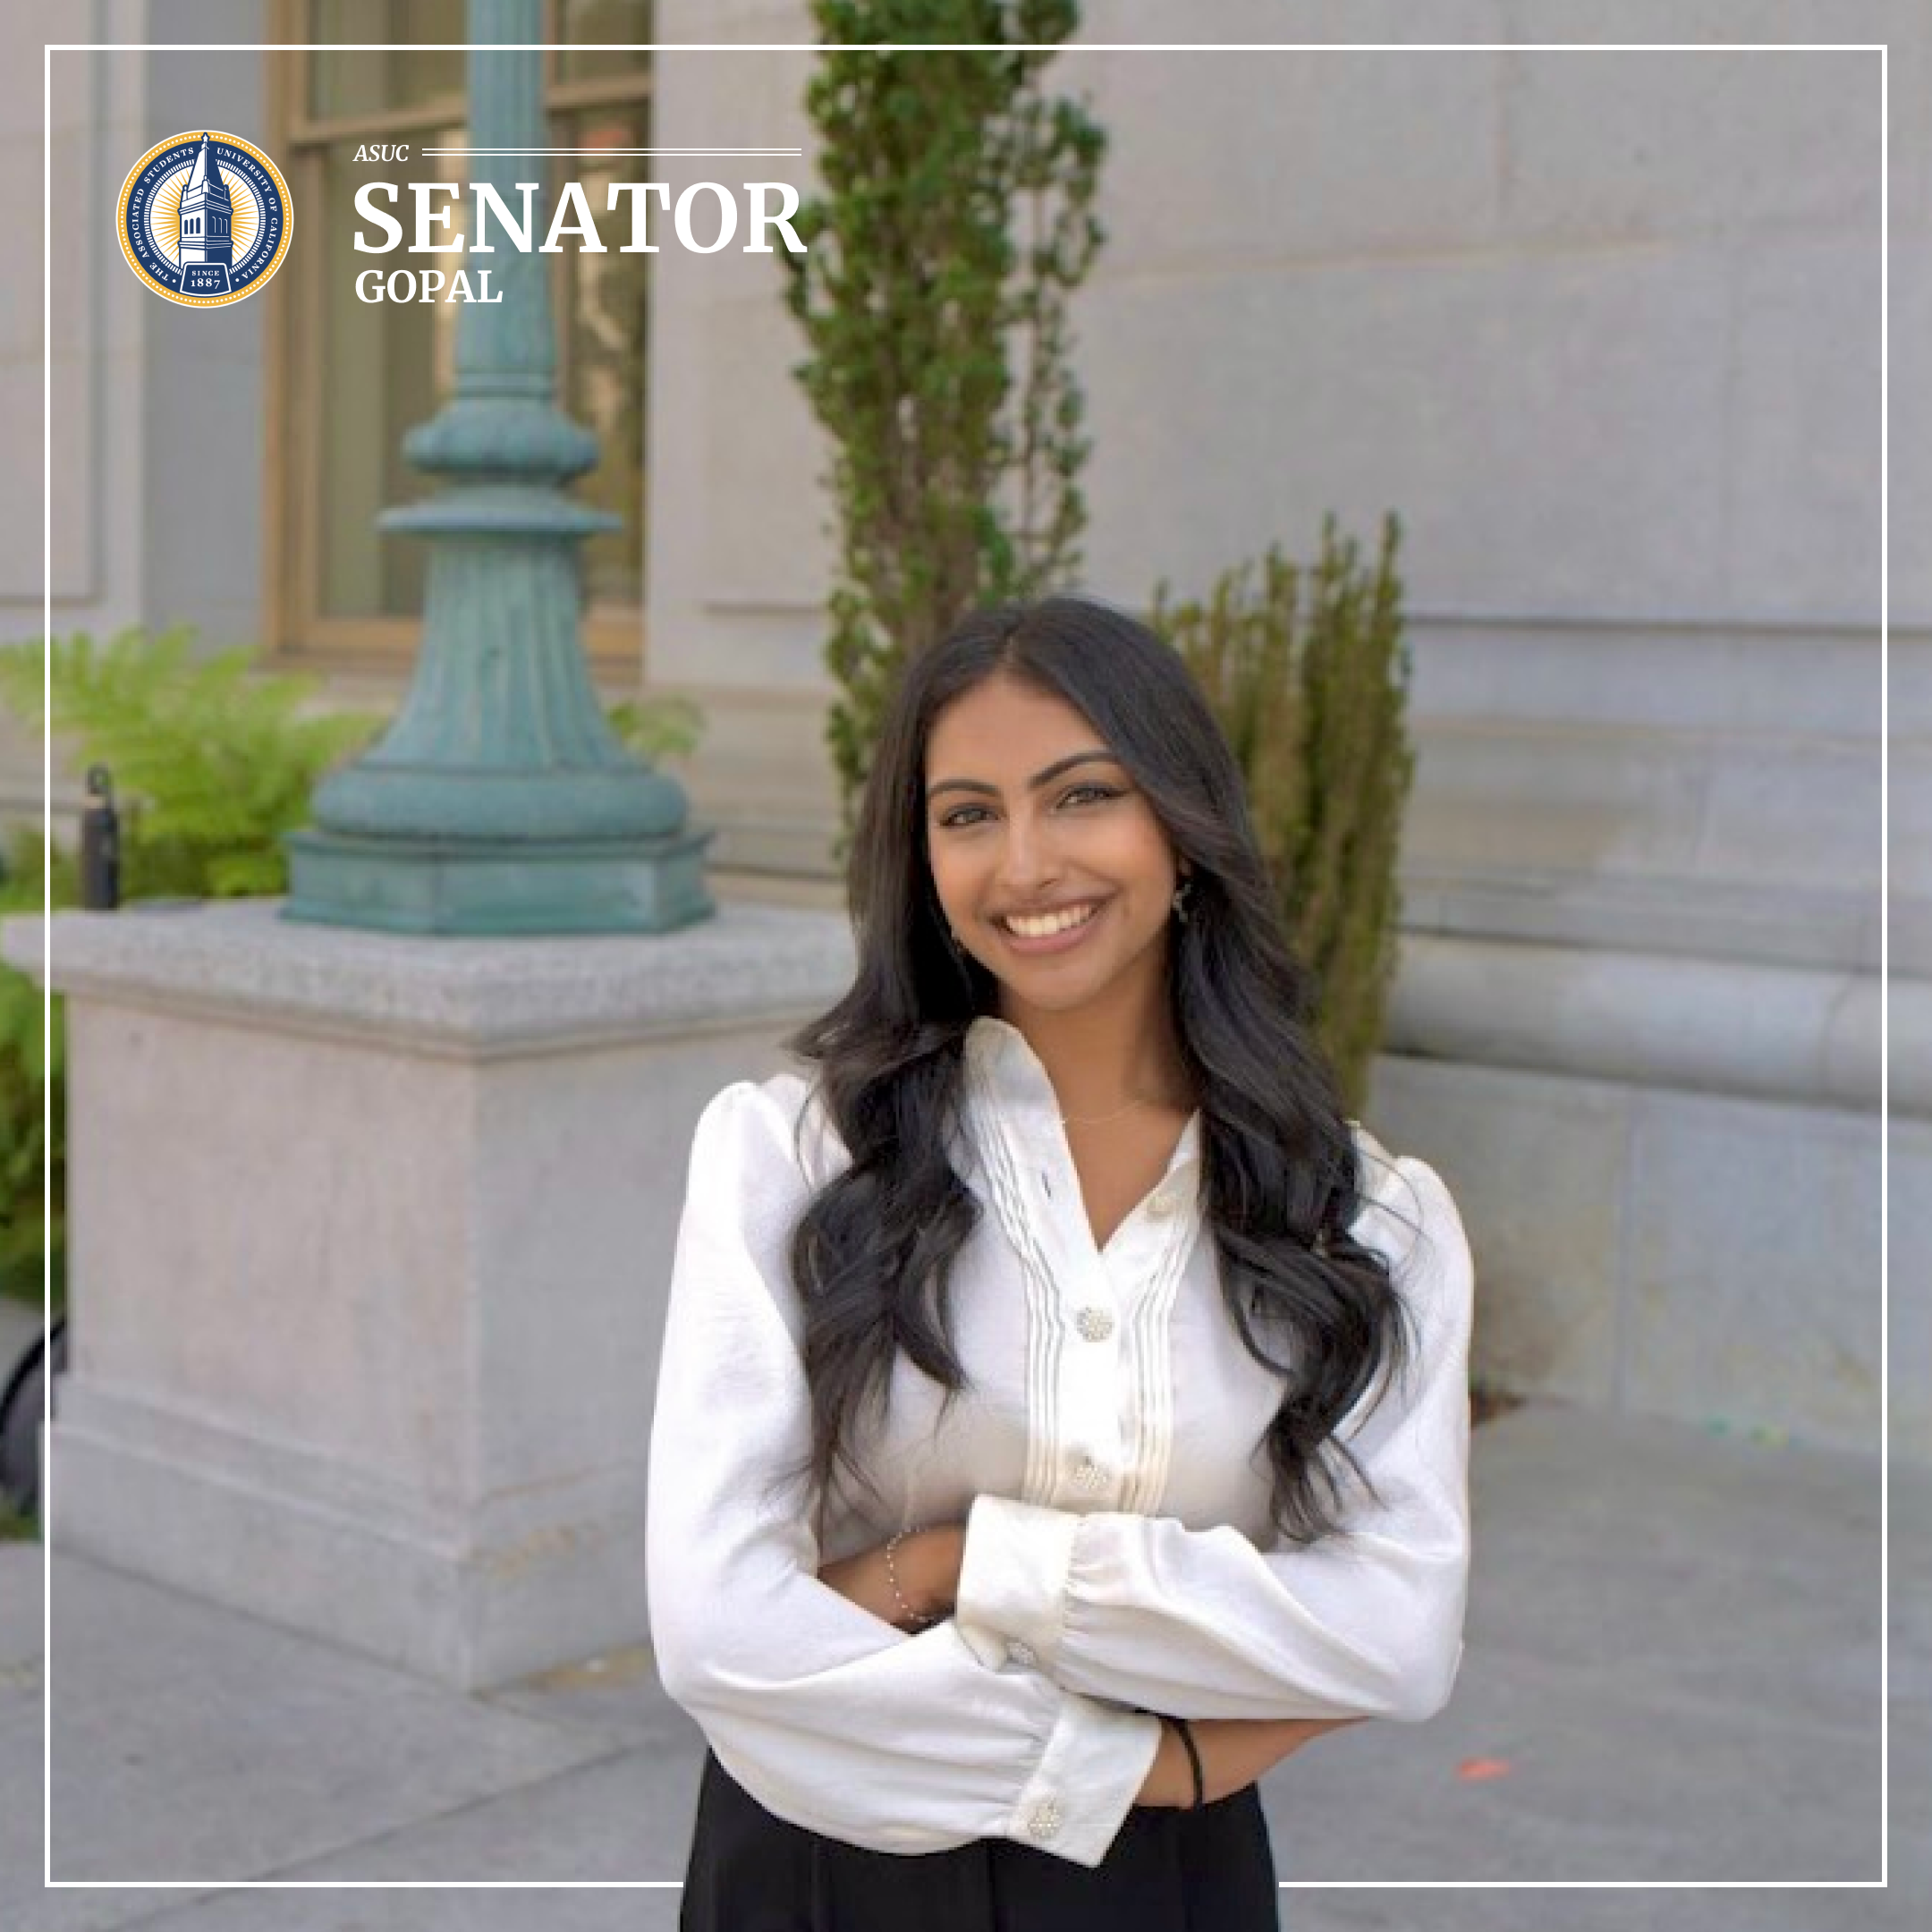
(1095, 1324)
(1022, 1653)
(1089, 1475)
(1046, 1819)
(1160, 1206)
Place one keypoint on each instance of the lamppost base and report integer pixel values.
(493, 888)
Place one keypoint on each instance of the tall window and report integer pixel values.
(350, 377)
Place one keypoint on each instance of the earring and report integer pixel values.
(1183, 896)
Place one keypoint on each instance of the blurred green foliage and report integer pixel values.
(1309, 671)
(955, 219)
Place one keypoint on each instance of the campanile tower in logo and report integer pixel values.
(207, 227)
(205, 218)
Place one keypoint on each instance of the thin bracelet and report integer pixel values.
(1187, 1738)
(916, 1617)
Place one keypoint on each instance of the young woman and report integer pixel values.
(1064, 1413)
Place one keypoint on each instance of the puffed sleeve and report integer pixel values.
(1203, 1624)
(827, 1716)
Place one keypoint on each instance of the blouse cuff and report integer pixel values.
(1087, 1779)
(1014, 1578)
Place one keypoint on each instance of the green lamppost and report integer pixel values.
(500, 801)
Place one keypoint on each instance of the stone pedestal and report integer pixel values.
(370, 1238)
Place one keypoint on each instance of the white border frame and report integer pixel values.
(1095, 46)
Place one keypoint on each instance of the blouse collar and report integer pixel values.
(1012, 1075)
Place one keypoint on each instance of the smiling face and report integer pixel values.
(1029, 816)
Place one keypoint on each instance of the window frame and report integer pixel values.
(296, 630)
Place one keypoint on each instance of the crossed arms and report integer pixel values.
(839, 1722)
(1235, 1751)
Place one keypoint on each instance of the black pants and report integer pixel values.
(1211, 1870)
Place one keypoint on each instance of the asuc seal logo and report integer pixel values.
(204, 219)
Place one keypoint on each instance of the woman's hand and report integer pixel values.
(926, 1565)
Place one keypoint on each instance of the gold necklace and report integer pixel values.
(1099, 1119)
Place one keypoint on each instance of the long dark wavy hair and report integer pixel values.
(873, 1252)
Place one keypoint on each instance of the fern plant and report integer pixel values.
(1308, 672)
(212, 761)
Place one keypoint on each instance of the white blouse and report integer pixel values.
(1106, 1458)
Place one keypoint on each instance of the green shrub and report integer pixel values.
(955, 220)
(658, 728)
(31, 1089)
(1308, 672)
(212, 761)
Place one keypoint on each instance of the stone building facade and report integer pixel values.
(1604, 327)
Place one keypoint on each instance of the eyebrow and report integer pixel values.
(1033, 784)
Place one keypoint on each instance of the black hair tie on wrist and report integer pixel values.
(1200, 1784)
